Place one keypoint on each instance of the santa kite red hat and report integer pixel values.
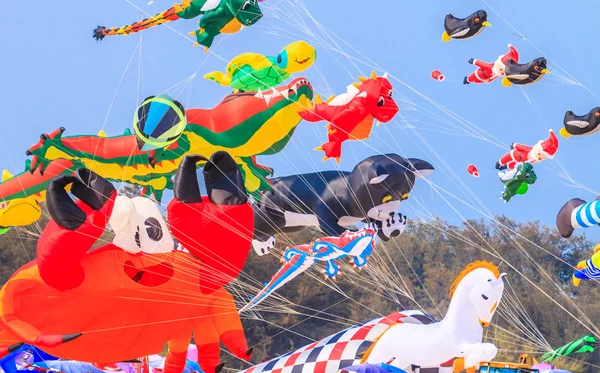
(512, 55)
(550, 145)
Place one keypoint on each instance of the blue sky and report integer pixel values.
(54, 74)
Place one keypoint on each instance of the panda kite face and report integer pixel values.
(139, 226)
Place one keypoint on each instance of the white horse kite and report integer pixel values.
(475, 295)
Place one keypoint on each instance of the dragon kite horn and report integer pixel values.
(374, 75)
(362, 79)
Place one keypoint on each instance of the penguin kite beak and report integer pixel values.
(545, 71)
(486, 24)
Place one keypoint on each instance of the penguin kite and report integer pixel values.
(464, 28)
(581, 125)
(524, 74)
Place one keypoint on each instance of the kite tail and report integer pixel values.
(168, 15)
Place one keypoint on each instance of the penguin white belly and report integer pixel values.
(578, 123)
(518, 76)
(460, 33)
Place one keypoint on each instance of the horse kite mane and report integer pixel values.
(470, 268)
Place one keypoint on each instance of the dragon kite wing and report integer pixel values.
(296, 261)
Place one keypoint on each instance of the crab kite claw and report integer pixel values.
(75, 226)
(203, 224)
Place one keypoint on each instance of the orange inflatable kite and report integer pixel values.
(109, 305)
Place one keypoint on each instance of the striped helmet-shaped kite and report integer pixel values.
(158, 122)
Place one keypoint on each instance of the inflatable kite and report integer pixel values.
(475, 296)
(464, 28)
(576, 213)
(519, 153)
(437, 75)
(472, 170)
(218, 17)
(517, 180)
(242, 124)
(252, 71)
(334, 201)
(588, 269)
(407, 336)
(351, 114)
(585, 344)
(340, 350)
(524, 74)
(299, 258)
(488, 72)
(158, 122)
(91, 300)
(576, 125)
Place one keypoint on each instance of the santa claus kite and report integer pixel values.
(544, 149)
(488, 72)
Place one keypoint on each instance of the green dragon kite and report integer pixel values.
(218, 17)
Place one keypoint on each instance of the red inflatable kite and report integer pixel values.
(109, 305)
(437, 75)
(472, 170)
(351, 114)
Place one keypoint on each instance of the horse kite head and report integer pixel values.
(482, 284)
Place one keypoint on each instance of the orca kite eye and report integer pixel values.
(381, 101)
(153, 229)
(484, 297)
(477, 20)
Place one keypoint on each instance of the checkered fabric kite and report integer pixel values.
(340, 350)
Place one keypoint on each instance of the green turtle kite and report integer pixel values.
(253, 72)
